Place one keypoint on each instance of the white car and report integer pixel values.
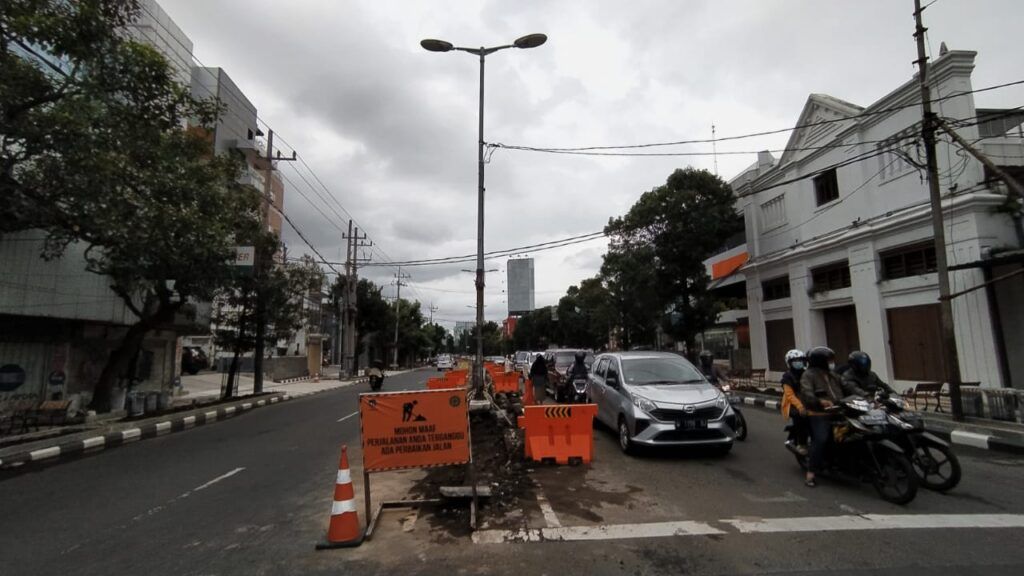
(445, 362)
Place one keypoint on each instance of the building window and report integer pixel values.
(908, 261)
(831, 277)
(826, 187)
(776, 288)
(773, 212)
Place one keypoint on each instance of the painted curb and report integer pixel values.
(953, 435)
(153, 429)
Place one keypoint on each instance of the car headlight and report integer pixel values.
(721, 401)
(644, 404)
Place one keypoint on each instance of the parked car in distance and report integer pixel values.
(499, 360)
(559, 361)
(659, 399)
(445, 362)
(193, 359)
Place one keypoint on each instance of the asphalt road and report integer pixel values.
(252, 495)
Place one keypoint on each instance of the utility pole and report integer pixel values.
(355, 241)
(432, 310)
(398, 309)
(928, 124)
(259, 263)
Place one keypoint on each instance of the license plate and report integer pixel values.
(691, 424)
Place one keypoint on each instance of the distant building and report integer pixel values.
(520, 286)
(463, 326)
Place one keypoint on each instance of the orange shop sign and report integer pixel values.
(415, 429)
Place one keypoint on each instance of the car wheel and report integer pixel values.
(625, 438)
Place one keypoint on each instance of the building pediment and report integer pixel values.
(821, 118)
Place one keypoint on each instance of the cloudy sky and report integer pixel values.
(391, 129)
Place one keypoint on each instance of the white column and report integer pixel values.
(872, 327)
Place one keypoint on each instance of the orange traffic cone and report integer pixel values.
(343, 531)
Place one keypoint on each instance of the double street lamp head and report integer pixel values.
(528, 41)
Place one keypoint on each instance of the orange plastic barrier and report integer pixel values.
(562, 433)
(528, 398)
(455, 378)
(506, 383)
(438, 384)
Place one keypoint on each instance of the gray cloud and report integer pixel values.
(391, 129)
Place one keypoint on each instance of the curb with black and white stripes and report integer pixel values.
(955, 435)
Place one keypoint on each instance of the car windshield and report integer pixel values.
(566, 359)
(659, 370)
(522, 356)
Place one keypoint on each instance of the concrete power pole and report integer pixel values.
(351, 338)
(951, 358)
(259, 263)
(398, 309)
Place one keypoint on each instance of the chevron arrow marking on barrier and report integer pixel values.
(558, 412)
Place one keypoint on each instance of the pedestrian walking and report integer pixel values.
(539, 379)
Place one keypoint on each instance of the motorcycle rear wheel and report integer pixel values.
(936, 467)
(895, 479)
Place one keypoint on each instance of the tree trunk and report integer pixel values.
(232, 373)
(120, 360)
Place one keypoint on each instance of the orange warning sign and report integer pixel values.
(414, 429)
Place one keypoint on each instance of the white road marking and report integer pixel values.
(545, 508)
(752, 526)
(786, 497)
(343, 418)
(218, 479)
(878, 522)
(969, 439)
(604, 532)
(409, 522)
(93, 442)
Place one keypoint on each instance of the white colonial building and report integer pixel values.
(839, 237)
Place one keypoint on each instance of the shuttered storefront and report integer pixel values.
(915, 341)
(841, 331)
(779, 334)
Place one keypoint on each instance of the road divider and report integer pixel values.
(559, 433)
(506, 382)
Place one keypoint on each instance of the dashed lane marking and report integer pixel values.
(218, 479)
(343, 418)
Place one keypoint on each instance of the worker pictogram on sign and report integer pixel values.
(414, 429)
(558, 412)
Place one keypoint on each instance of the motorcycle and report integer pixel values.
(936, 466)
(866, 445)
(740, 423)
(578, 391)
(376, 379)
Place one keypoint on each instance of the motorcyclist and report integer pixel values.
(860, 380)
(820, 389)
(578, 370)
(714, 373)
(792, 407)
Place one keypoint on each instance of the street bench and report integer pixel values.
(928, 391)
(24, 415)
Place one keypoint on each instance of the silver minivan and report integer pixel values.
(659, 399)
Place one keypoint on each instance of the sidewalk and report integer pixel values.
(975, 432)
(110, 432)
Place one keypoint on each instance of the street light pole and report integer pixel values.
(528, 41)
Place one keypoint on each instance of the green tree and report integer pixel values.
(93, 150)
(669, 232)
(284, 289)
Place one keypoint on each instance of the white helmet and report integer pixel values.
(794, 355)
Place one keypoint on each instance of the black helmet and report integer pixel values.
(860, 362)
(580, 356)
(706, 357)
(820, 357)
